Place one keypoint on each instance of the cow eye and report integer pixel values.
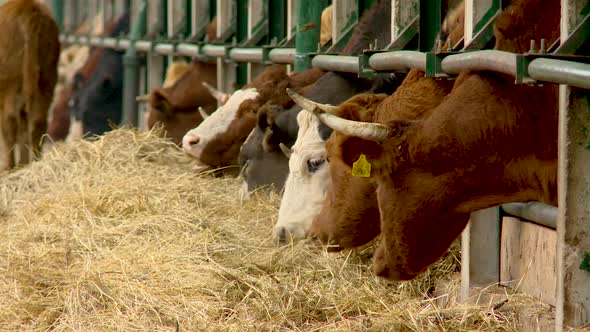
(314, 164)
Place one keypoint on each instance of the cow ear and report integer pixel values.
(353, 147)
(159, 102)
(263, 119)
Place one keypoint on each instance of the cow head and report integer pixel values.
(98, 102)
(350, 216)
(175, 105)
(217, 141)
(262, 162)
(307, 182)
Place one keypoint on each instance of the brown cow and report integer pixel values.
(28, 73)
(309, 171)
(176, 108)
(350, 199)
(489, 142)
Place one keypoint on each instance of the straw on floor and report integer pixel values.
(119, 233)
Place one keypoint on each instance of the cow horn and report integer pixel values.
(309, 104)
(286, 150)
(220, 96)
(203, 113)
(143, 99)
(370, 131)
(367, 130)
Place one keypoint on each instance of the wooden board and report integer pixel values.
(528, 259)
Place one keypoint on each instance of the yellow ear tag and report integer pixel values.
(361, 168)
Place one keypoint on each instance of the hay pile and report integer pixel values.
(120, 234)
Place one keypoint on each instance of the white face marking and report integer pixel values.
(304, 191)
(217, 123)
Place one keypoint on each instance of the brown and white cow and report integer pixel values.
(29, 52)
(217, 140)
(489, 142)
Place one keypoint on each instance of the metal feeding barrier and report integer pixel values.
(254, 33)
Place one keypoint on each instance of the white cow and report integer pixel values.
(307, 183)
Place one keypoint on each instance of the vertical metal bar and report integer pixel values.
(430, 20)
(573, 223)
(345, 13)
(309, 14)
(131, 66)
(480, 250)
(58, 13)
(243, 11)
(277, 19)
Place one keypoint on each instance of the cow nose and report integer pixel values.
(190, 140)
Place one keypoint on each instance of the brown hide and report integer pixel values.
(29, 52)
(350, 214)
(224, 148)
(489, 142)
(175, 108)
(59, 124)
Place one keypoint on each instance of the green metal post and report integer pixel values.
(131, 65)
(58, 13)
(430, 19)
(309, 14)
(277, 19)
(242, 35)
(212, 9)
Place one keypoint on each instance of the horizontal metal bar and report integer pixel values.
(535, 212)
(398, 60)
(349, 64)
(541, 69)
(217, 51)
(188, 50)
(282, 55)
(143, 46)
(246, 54)
(164, 49)
(499, 61)
(560, 71)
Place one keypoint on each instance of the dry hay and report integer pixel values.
(120, 234)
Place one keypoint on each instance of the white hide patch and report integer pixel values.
(217, 123)
(304, 192)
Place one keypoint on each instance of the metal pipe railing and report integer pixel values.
(188, 50)
(499, 61)
(398, 60)
(535, 212)
(282, 55)
(348, 64)
(246, 54)
(560, 71)
(541, 69)
(217, 51)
